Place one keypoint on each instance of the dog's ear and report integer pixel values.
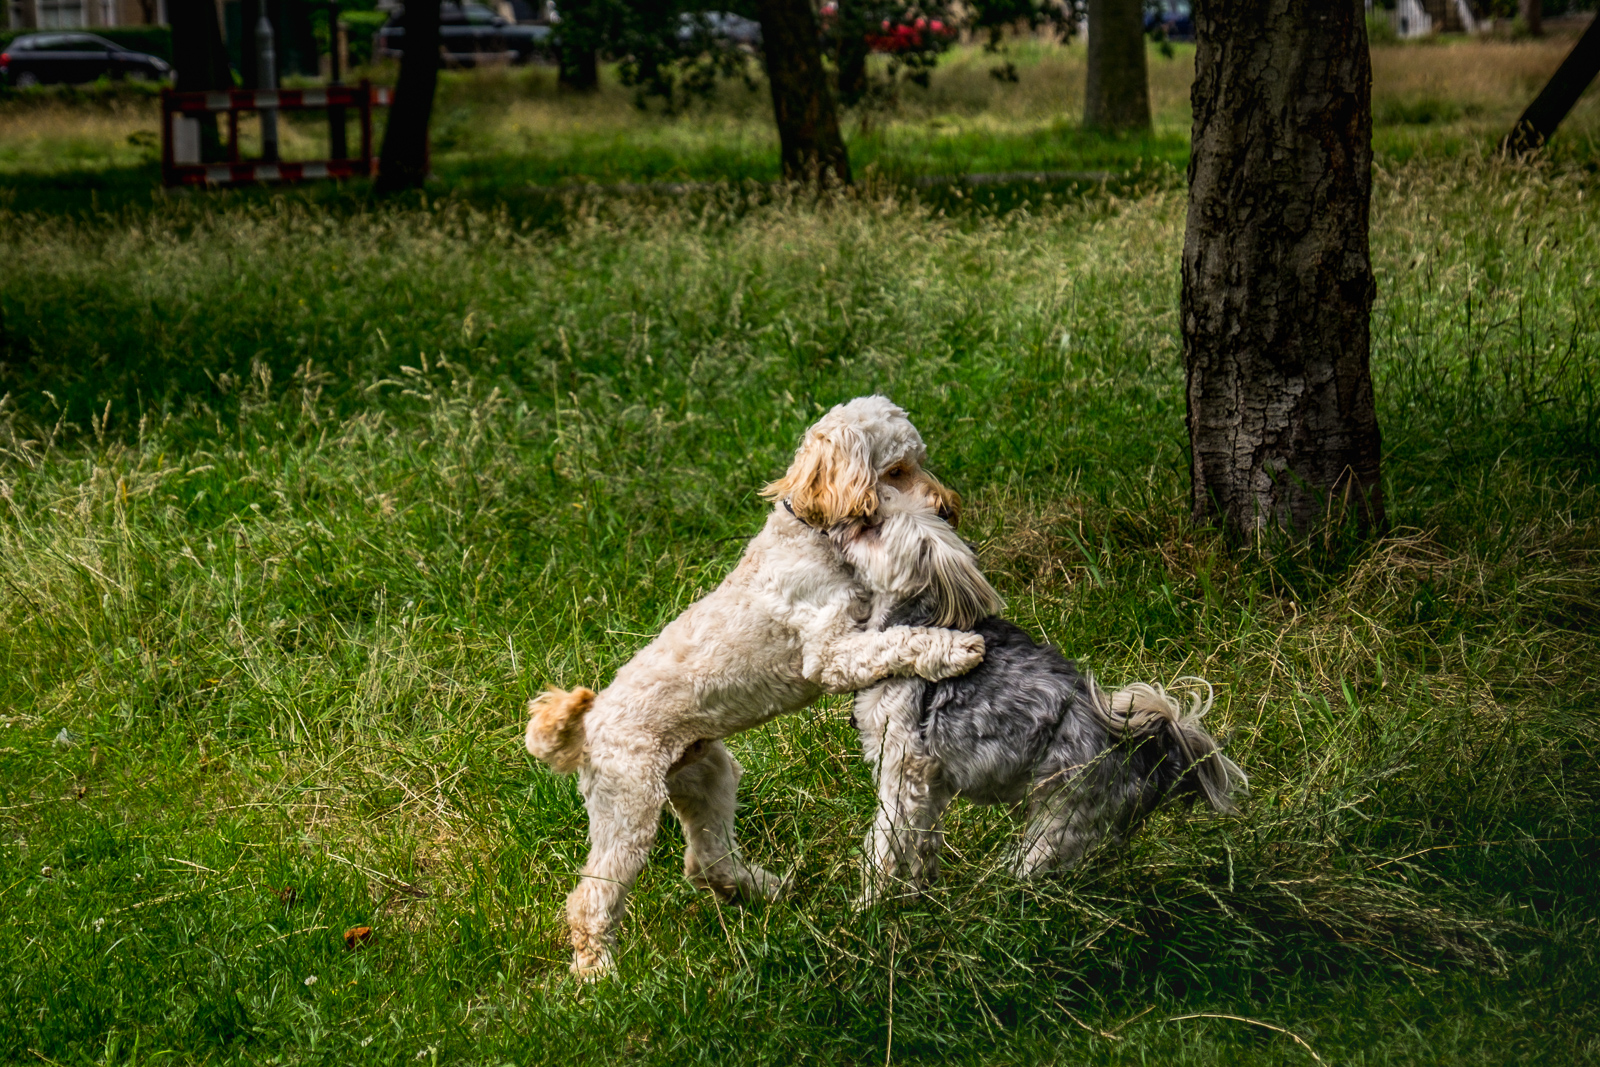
(946, 499)
(831, 479)
(951, 568)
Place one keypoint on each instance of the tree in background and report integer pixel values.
(912, 35)
(1277, 280)
(802, 104)
(403, 163)
(992, 18)
(1533, 16)
(200, 61)
(1117, 92)
(585, 29)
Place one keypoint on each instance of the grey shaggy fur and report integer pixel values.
(1027, 729)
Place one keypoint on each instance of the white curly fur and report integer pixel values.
(786, 626)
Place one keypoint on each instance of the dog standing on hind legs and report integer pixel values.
(785, 627)
(1024, 729)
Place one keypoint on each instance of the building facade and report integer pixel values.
(84, 14)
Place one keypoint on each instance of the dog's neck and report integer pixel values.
(919, 610)
(792, 514)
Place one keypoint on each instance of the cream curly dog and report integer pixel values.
(785, 627)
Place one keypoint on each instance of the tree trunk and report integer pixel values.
(1277, 281)
(249, 14)
(808, 125)
(1533, 16)
(852, 61)
(851, 21)
(200, 61)
(1117, 94)
(403, 163)
(1538, 123)
(578, 37)
(579, 70)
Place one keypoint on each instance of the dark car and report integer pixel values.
(43, 58)
(472, 34)
(723, 27)
(1173, 18)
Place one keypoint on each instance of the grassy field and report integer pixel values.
(499, 133)
(301, 498)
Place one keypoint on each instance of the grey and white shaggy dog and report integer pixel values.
(1025, 728)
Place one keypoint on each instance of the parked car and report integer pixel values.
(472, 34)
(45, 58)
(1172, 17)
(722, 26)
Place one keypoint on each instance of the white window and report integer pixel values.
(60, 14)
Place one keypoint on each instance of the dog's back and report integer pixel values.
(1027, 722)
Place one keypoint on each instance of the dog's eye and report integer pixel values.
(896, 472)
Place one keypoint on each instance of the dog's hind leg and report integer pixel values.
(703, 795)
(624, 807)
(1062, 825)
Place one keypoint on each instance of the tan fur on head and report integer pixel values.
(945, 499)
(831, 479)
(555, 727)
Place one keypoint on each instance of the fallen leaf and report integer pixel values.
(357, 936)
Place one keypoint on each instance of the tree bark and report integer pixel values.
(1117, 93)
(200, 61)
(1277, 280)
(852, 64)
(808, 125)
(579, 70)
(1538, 123)
(1533, 16)
(403, 163)
(578, 37)
(249, 14)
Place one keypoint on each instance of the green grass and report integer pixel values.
(302, 497)
(299, 507)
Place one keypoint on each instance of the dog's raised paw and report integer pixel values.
(966, 652)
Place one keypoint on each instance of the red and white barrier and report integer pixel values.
(180, 133)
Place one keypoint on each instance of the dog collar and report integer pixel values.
(790, 509)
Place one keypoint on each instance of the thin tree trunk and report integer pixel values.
(808, 125)
(200, 61)
(1538, 123)
(579, 70)
(1117, 93)
(249, 15)
(577, 37)
(1533, 16)
(403, 164)
(1277, 280)
(850, 24)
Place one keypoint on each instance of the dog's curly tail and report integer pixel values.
(555, 727)
(1145, 710)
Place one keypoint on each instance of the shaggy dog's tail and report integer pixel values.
(555, 727)
(1144, 710)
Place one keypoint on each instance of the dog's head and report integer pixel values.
(907, 553)
(849, 455)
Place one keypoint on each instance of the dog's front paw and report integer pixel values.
(743, 885)
(591, 957)
(765, 884)
(965, 652)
